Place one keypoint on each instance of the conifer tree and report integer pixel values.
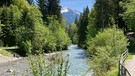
(43, 8)
(82, 27)
(117, 10)
(30, 2)
(54, 8)
(5, 2)
(50, 8)
(102, 8)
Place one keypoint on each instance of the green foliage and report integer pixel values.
(25, 47)
(117, 9)
(1, 43)
(6, 52)
(131, 47)
(10, 17)
(5, 2)
(62, 39)
(30, 2)
(21, 4)
(130, 56)
(128, 15)
(105, 49)
(42, 7)
(91, 28)
(24, 25)
(82, 27)
(55, 9)
(102, 13)
(50, 8)
(112, 73)
(40, 67)
(129, 18)
(75, 38)
(58, 30)
(43, 39)
(72, 32)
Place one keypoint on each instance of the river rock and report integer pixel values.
(10, 70)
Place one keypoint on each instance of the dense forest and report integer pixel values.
(34, 28)
(102, 31)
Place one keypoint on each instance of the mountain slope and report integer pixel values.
(69, 14)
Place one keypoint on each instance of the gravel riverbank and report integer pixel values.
(4, 59)
(17, 65)
(76, 55)
(8, 65)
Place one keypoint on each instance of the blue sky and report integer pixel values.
(78, 5)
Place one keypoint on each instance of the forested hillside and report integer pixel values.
(34, 28)
(102, 31)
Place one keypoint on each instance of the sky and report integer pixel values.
(78, 5)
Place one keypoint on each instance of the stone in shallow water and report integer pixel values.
(10, 70)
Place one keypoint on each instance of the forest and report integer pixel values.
(33, 28)
(40, 28)
(103, 32)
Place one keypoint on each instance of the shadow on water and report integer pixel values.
(81, 55)
(76, 47)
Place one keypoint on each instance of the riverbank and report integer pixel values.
(4, 59)
(76, 55)
(9, 58)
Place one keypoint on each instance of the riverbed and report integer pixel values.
(77, 61)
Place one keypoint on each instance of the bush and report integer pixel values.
(62, 39)
(41, 67)
(25, 47)
(105, 49)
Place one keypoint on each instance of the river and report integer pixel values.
(77, 61)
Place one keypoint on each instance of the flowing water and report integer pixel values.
(77, 61)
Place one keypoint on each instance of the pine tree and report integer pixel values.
(82, 27)
(30, 2)
(50, 8)
(54, 8)
(43, 8)
(103, 10)
(6, 29)
(5, 2)
(107, 9)
(117, 10)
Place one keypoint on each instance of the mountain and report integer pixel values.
(69, 14)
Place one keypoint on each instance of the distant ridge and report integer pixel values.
(69, 14)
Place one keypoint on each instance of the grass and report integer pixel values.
(6, 52)
(130, 56)
(113, 72)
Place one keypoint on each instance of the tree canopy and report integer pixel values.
(29, 27)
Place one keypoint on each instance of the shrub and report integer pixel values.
(41, 67)
(105, 49)
(25, 47)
